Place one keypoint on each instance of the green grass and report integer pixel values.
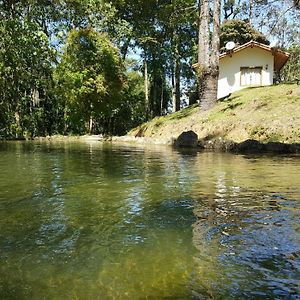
(265, 114)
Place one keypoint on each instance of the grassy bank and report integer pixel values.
(265, 114)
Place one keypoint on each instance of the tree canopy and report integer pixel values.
(90, 79)
(240, 32)
(105, 66)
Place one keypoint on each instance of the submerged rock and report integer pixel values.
(295, 148)
(278, 147)
(217, 144)
(253, 146)
(250, 146)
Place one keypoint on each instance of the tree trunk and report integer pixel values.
(146, 83)
(177, 83)
(209, 88)
(208, 55)
(215, 51)
(203, 42)
(91, 124)
(216, 35)
(65, 119)
(176, 75)
(173, 91)
(154, 106)
(18, 125)
(250, 12)
(162, 97)
(203, 54)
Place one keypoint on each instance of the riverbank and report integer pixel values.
(255, 119)
(265, 119)
(216, 144)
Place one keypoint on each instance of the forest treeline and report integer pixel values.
(100, 66)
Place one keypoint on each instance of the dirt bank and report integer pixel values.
(265, 114)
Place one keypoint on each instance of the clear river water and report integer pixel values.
(96, 221)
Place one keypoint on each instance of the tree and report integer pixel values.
(291, 71)
(90, 79)
(82, 96)
(165, 33)
(180, 27)
(233, 8)
(131, 111)
(239, 32)
(146, 35)
(26, 60)
(208, 53)
(277, 19)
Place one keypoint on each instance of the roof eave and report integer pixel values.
(280, 57)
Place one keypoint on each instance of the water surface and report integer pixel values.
(95, 221)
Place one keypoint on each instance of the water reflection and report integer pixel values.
(247, 238)
(92, 221)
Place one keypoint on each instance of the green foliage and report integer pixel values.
(131, 111)
(61, 62)
(79, 14)
(277, 19)
(165, 32)
(25, 71)
(239, 32)
(90, 80)
(291, 71)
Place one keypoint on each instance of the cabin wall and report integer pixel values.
(230, 69)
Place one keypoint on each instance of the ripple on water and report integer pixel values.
(256, 247)
(100, 222)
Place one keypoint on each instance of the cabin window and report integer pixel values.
(251, 76)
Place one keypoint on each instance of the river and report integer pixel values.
(96, 221)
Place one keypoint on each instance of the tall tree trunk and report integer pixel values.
(162, 96)
(215, 51)
(203, 55)
(177, 82)
(250, 12)
(208, 55)
(176, 75)
(176, 85)
(65, 119)
(203, 41)
(91, 124)
(173, 91)
(18, 125)
(216, 35)
(154, 106)
(146, 86)
(91, 120)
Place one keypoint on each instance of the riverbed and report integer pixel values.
(100, 221)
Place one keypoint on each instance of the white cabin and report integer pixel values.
(248, 65)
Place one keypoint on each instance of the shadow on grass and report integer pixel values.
(231, 106)
(184, 112)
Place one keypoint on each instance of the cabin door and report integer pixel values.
(251, 76)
